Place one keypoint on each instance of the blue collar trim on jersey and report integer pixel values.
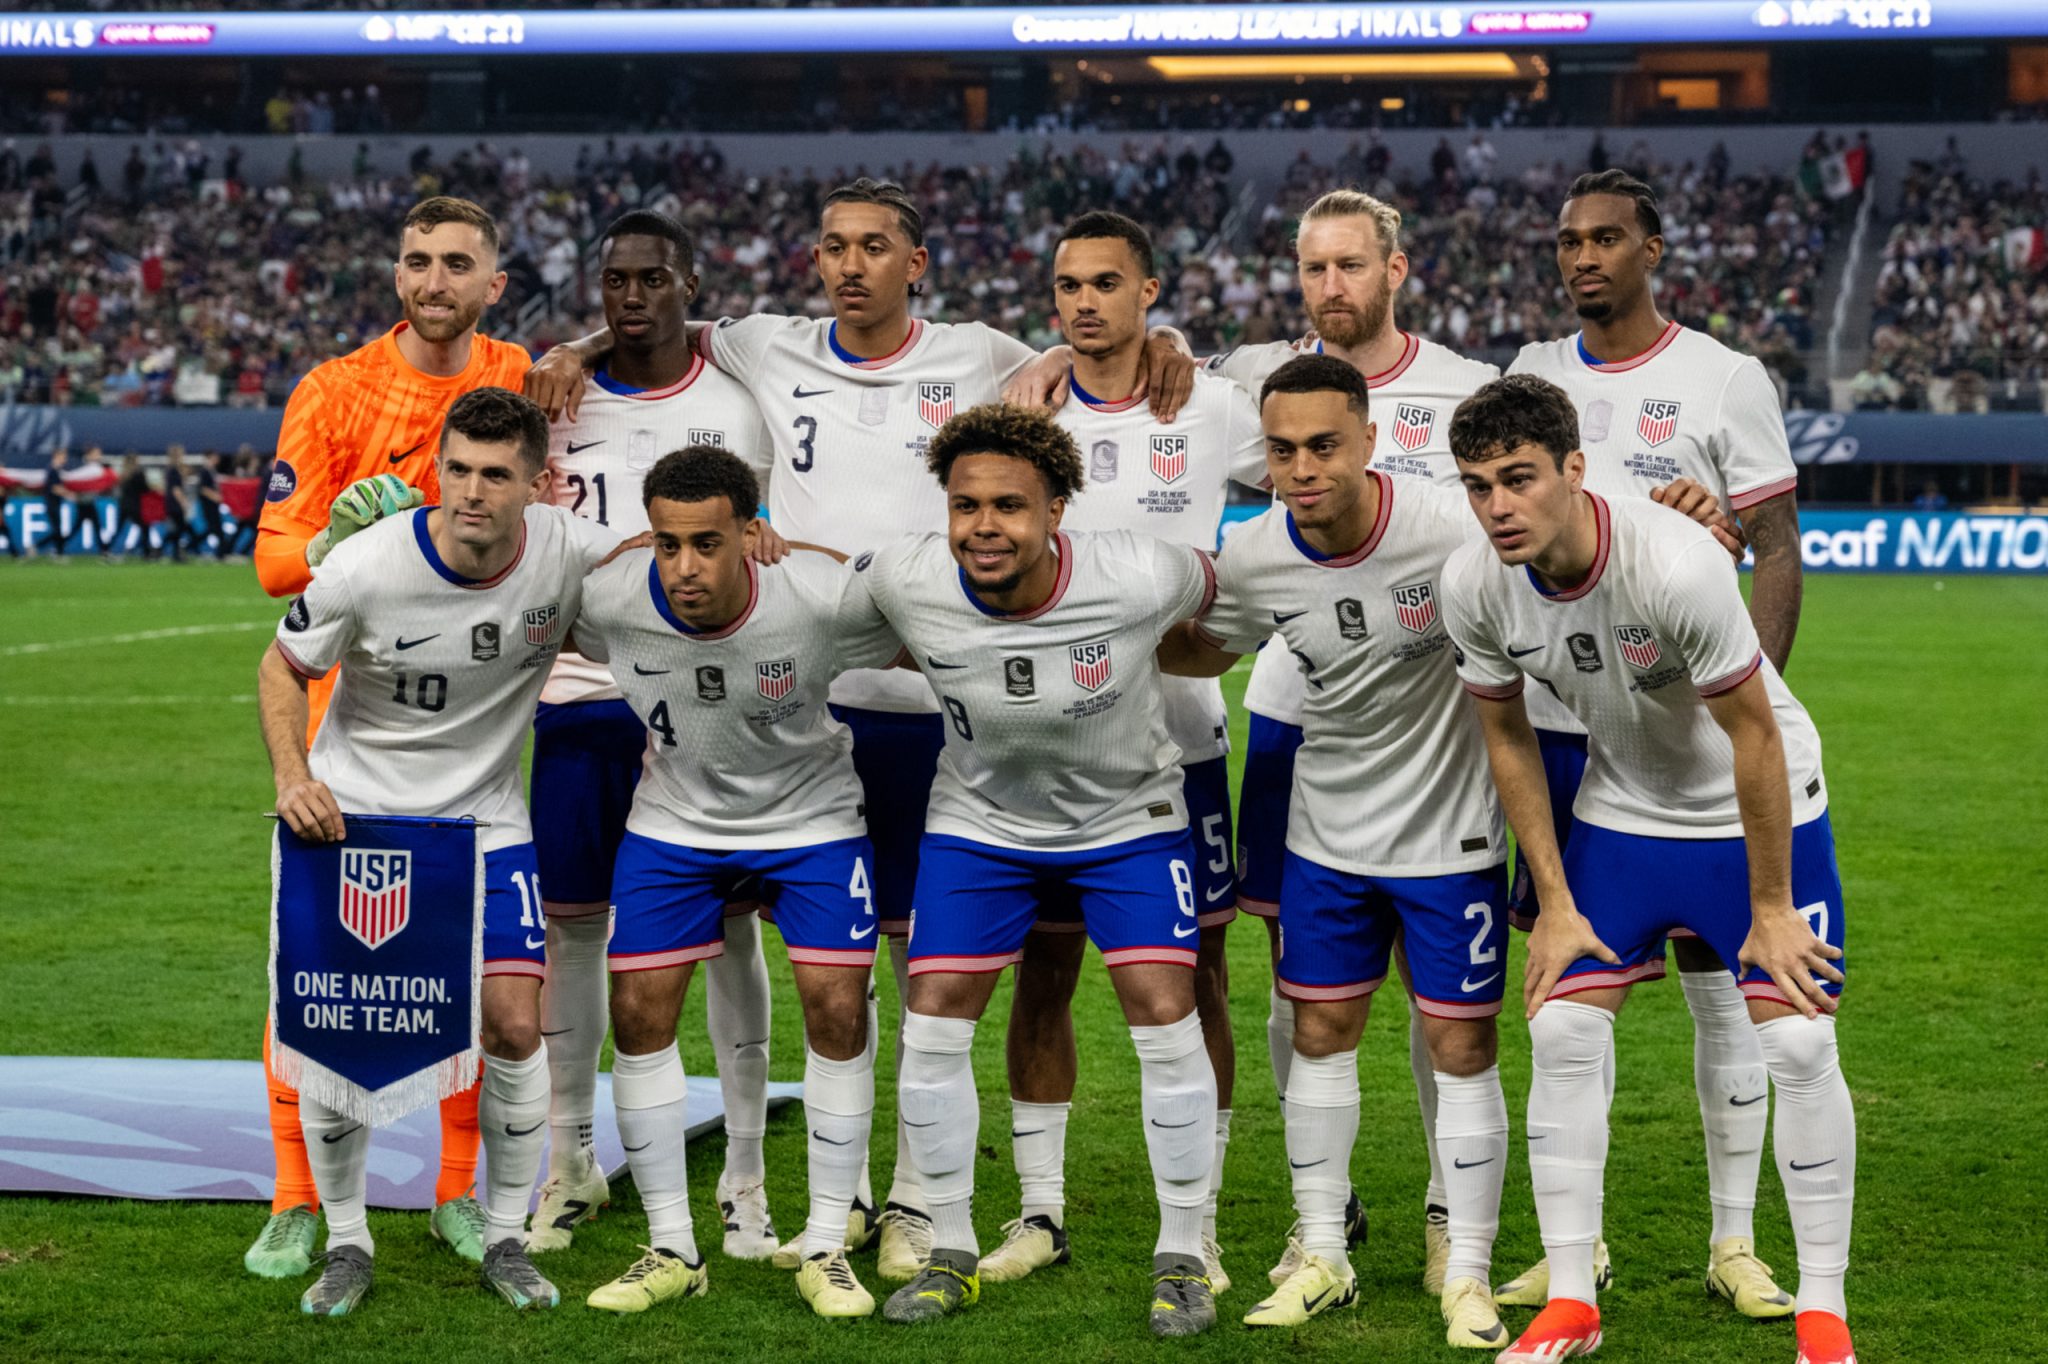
(661, 600)
(435, 562)
(1074, 382)
(1063, 554)
(832, 340)
(1308, 551)
(604, 380)
(1584, 354)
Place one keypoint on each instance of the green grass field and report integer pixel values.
(132, 922)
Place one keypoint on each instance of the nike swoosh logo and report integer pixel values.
(908, 1123)
(650, 672)
(1317, 1301)
(801, 392)
(1015, 1134)
(1744, 1103)
(572, 1212)
(1538, 1136)
(1468, 985)
(556, 1033)
(1816, 1165)
(527, 1132)
(400, 456)
(1307, 1164)
(1212, 899)
(332, 1138)
(936, 664)
(1279, 619)
(574, 448)
(828, 1141)
(533, 946)
(635, 1150)
(1182, 930)
(858, 933)
(1171, 1125)
(1471, 1164)
(415, 643)
(1513, 652)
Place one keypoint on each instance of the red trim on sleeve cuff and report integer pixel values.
(1209, 637)
(1505, 692)
(1208, 583)
(1743, 501)
(1716, 686)
(292, 661)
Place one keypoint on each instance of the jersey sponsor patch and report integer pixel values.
(1638, 645)
(298, 618)
(483, 642)
(935, 403)
(1415, 606)
(1169, 457)
(710, 683)
(376, 894)
(541, 622)
(774, 679)
(1102, 462)
(1658, 421)
(284, 481)
(1412, 424)
(1350, 618)
(1597, 420)
(1585, 652)
(1019, 677)
(1091, 664)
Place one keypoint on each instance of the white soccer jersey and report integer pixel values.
(1412, 402)
(741, 750)
(850, 437)
(1658, 624)
(1171, 482)
(439, 673)
(1055, 728)
(1391, 778)
(599, 461)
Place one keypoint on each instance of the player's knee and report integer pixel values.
(641, 1020)
(1325, 1028)
(1798, 1050)
(836, 1022)
(1565, 1037)
(1463, 1046)
(511, 1039)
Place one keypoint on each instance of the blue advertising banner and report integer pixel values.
(93, 526)
(1917, 437)
(376, 953)
(1061, 29)
(1923, 542)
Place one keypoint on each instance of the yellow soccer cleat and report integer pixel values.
(1314, 1288)
(1532, 1287)
(654, 1278)
(861, 1226)
(1029, 1243)
(1436, 1249)
(1734, 1273)
(1470, 1321)
(1212, 1266)
(906, 1243)
(566, 1202)
(826, 1282)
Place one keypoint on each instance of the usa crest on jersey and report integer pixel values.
(1091, 664)
(776, 678)
(541, 622)
(1415, 606)
(1658, 420)
(1412, 424)
(1169, 457)
(935, 403)
(1638, 645)
(376, 894)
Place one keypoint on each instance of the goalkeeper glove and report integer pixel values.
(362, 502)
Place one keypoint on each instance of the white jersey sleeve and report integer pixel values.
(320, 627)
(1484, 665)
(1006, 354)
(1250, 366)
(1706, 620)
(739, 345)
(1748, 442)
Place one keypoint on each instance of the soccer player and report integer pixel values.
(1657, 403)
(1169, 480)
(1703, 806)
(358, 442)
(653, 395)
(1058, 778)
(422, 613)
(748, 778)
(1346, 575)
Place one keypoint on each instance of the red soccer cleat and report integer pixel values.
(1824, 1339)
(1565, 1329)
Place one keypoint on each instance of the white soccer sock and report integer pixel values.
(1280, 1041)
(905, 1187)
(1815, 1143)
(1472, 1149)
(1216, 1172)
(941, 1118)
(864, 1190)
(574, 1013)
(839, 1106)
(1322, 1128)
(1038, 1145)
(1728, 1073)
(1424, 1071)
(651, 1093)
(512, 1112)
(1177, 1099)
(736, 1014)
(338, 1149)
(1569, 1045)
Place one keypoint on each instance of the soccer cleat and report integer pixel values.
(511, 1275)
(826, 1282)
(654, 1278)
(906, 1243)
(1436, 1249)
(1310, 1291)
(946, 1284)
(861, 1225)
(1566, 1329)
(343, 1280)
(460, 1222)
(284, 1248)
(1734, 1273)
(1356, 1226)
(1029, 1243)
(565, 1201)
(1470, 1321)
(1355, 1229)
(1212, 1265)
(1532, 1288)
(1824, 1339)
(1183, 1299)
(749, 1235)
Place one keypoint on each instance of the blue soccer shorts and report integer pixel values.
(671, 901)
(1262, 799)
(1564, 767)
(1338, 930)
(586, 762)
(1634, 890)
(1206, 788)
(895, 755)
(515, 929)
(976, 901)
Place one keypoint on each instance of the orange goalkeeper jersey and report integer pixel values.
(365, 413)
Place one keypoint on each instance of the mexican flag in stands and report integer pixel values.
(1840, 174)
(2026, 250)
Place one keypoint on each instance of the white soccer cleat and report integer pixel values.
(861, 1225)
(749, 1235)
(1212, 1265)
(906, 1244)
(566, 1202)
(1436, 1249)
(1029, 1243)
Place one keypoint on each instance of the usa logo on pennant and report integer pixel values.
(1638, 645)
(1091, 664)
(1412, 424)
(541, 622)
(775, 679)
(376, 894)
(935, 403)
(1658, 421)
(1415, 606)
(1169, 457)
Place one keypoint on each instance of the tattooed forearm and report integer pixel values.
(1776, 585)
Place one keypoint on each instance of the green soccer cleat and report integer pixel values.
(511, 1275)
(946, 1284)
(284, 1249)
(460, 1222)
(341, 1285)
(1183, 1302)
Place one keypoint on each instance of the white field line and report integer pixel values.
(137, 637)
(165, 700)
